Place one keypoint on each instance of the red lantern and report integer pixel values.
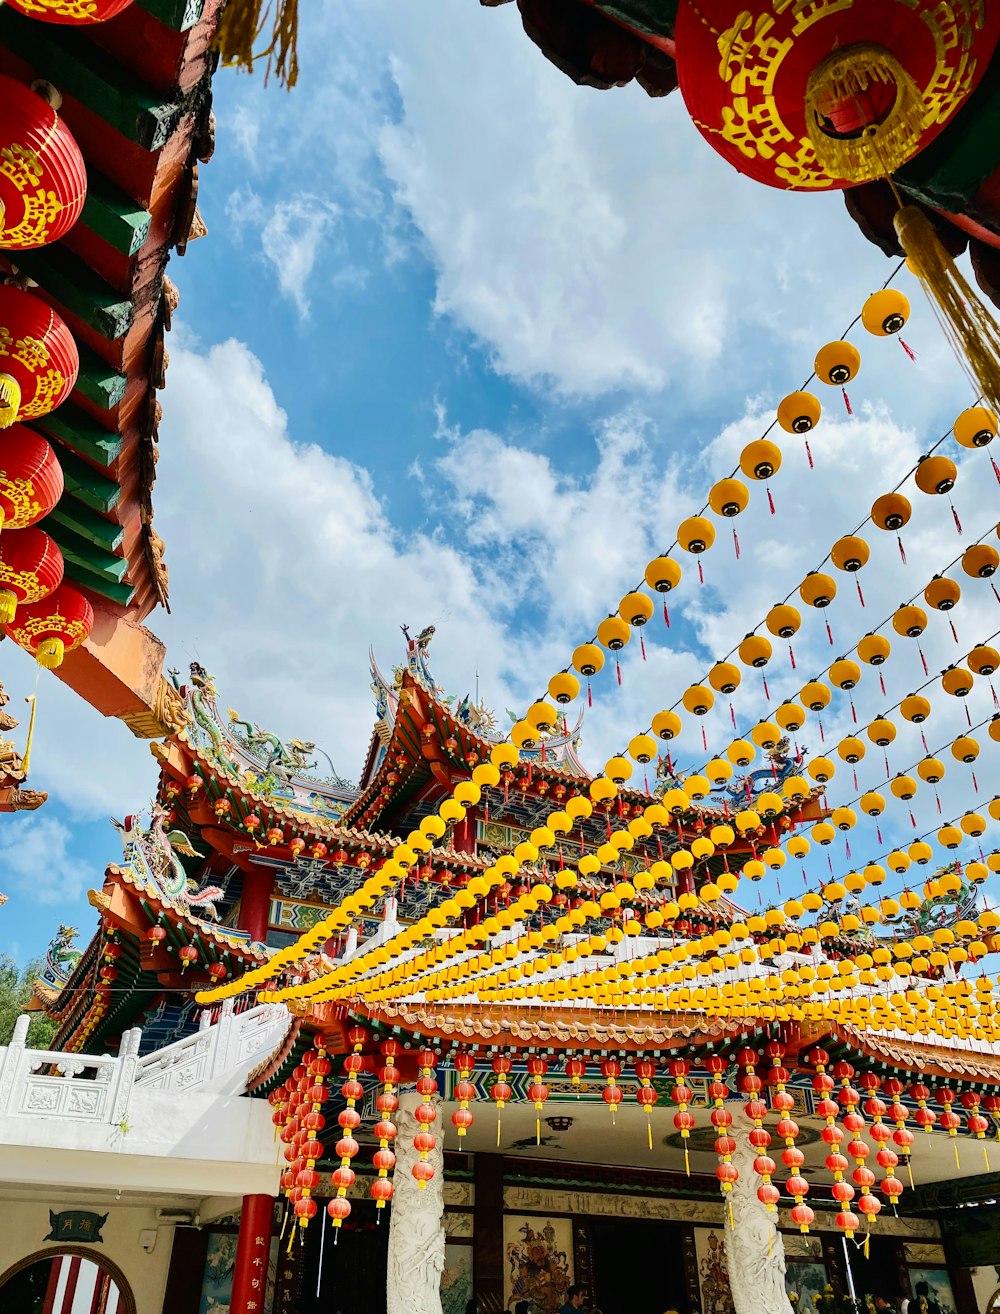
(339, 1209)
(852, 95)
(187, 954)
(43, 180)
(53, 627)
(381, 1191)
(72, 13)
(155, 934)
(575, 1070)
(217, 971)
(31, 478)
(38, 357)
(423, 1172)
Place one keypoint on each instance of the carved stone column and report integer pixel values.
(416, 1229)
(755, 1255)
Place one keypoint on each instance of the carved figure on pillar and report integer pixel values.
(416, 1229)
(755, 1254)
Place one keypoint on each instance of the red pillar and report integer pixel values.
(465, 833)
(255, 905)
(252, 1249)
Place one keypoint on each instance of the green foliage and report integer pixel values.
(16, 987)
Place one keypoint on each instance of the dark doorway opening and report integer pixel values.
(638, 1267)
(353, 1270)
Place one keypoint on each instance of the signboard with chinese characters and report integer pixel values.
(75, 1225)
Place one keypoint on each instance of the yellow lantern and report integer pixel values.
(844, 818)
(837, 363)
(845, 674)
(564, 687)
(760, 459)
(588, 659)
(783, 620)
(541, 716)
(823, 833)
(696, 534)
(769, 804)
(790, 717)
(740, 752)
(910, 621)
(920, 852)
(950, 837)
(795, 789)
(663, 574)
(898, 861)
(755, 651)
(618, 769)
(718, 771)
(874, 649)
(935, 474)
(765, 735)
(821, 769)
(983, 660)
(799, 412)
(942, 593)
(728, 498)
(635, 608)
(915, 708)
(931, 769)
(957, 681)
(523, 734)
(975, 427)
(666, 725)
(872, 803)
(980, 561)
(724, 677)
(891, 512)
(903, 787)
(885, 312)
(815, 696)
(642, 748)
(817, 589)
(973, 824)
(965, 749)
(602, 790)
(613, 633)
(850, 553)
(698, 700)
(852, 750)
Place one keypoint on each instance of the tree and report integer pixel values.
(16, 988)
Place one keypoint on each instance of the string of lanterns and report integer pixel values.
(540, 712)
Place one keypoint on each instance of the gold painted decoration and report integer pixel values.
(831, 93)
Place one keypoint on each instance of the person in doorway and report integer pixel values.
(576, 1296)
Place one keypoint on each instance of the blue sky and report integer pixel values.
(462, 346)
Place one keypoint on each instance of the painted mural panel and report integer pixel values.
(713, 1275)
(939, 1291)
(538, 1260)
(456, 1279)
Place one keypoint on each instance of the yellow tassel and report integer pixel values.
(909, 1173)
(26, 760)
(10, 400)
(958, 1162)
(968, 325)
(239, 30)
(538, 1131)
(868, 1241)
(8, 606)
(986, 1157)
(732, 1220)
(649, 1131)
(498, 1131)
(770, 1239)
(50, 653)
(876, 148)
(687, 1160)
(284, 1226)
(291, 1239)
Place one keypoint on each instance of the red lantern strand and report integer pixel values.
(612, 1093)
(722, 1120)
(501, 1091)
(538, 1092)
(949, 1119)
(682, 1096)
(424, 1141)
(645, 1070)
(386, 1102)
(462, 1119)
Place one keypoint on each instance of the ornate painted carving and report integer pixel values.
(416, 1229)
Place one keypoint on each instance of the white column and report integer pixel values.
(755, 1255)
(416, 1228)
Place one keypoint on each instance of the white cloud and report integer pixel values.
(36, 860)
(291, 240)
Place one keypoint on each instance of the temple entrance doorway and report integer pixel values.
(353, 1270)
(73, 1280)
(638, 1267)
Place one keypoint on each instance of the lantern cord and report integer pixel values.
(284, 1226)
(322, 1243)
(967, 324)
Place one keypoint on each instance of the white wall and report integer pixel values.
(24, 1222)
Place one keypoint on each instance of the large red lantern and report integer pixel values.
(31, 567)
(31, 478)
(43, 180)
(848, 93)
(53, 627)
(39, 361)
(71, 13)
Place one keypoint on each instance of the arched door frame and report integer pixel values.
(126, 1300)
